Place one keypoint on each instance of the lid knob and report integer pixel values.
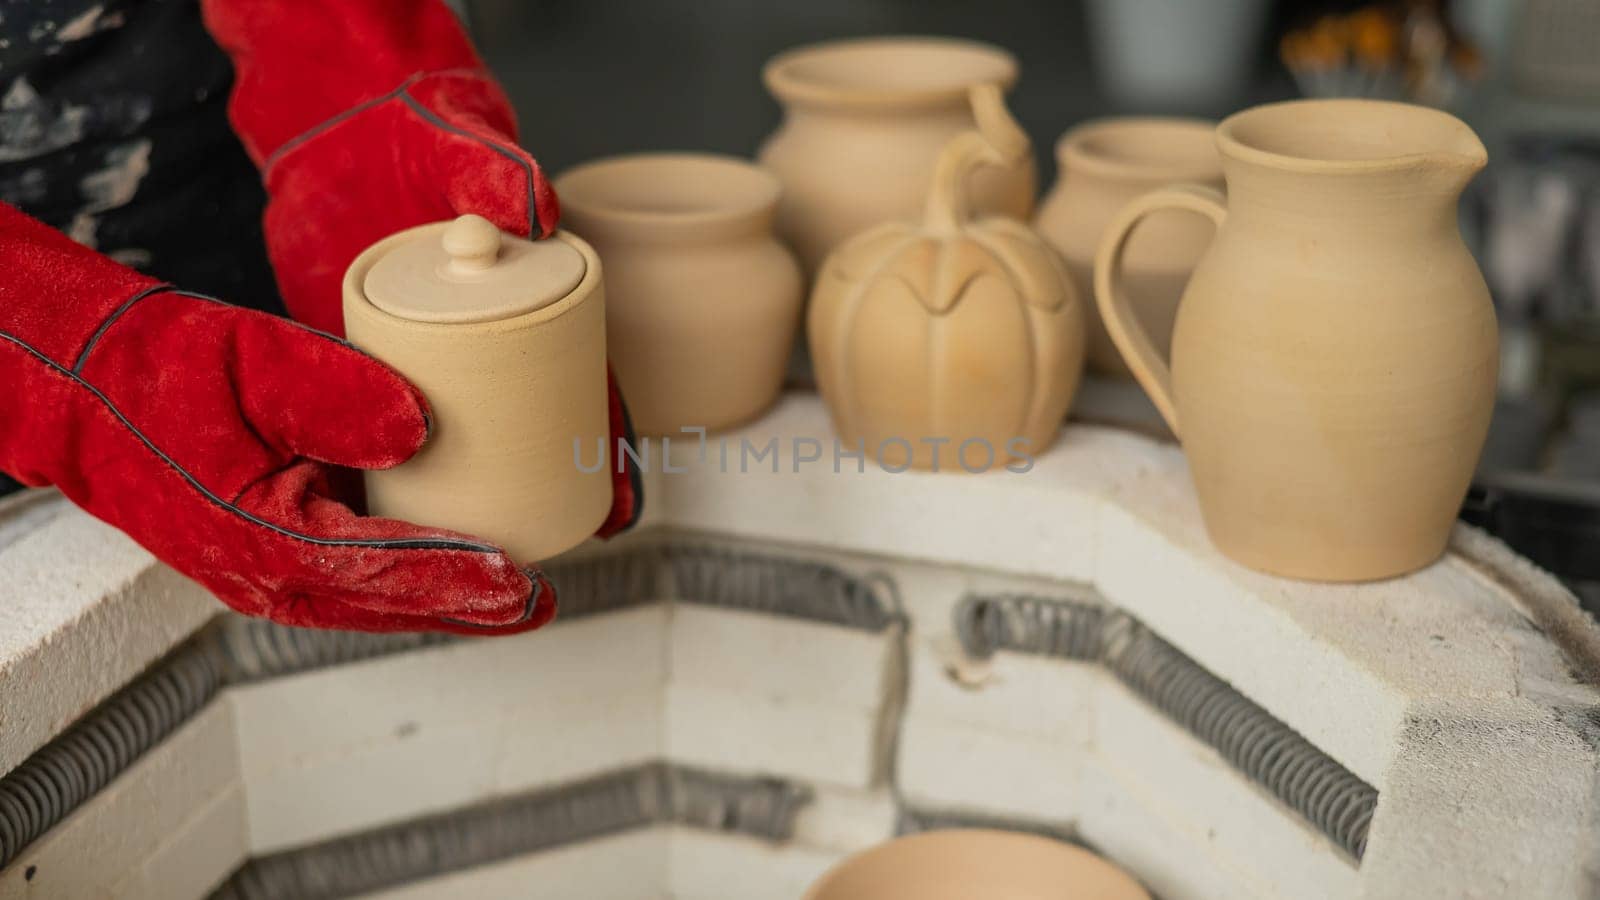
(466, 270)
(473, 244)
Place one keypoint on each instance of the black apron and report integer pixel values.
(113, 129)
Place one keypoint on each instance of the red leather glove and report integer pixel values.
(204, 431)
(368, 117)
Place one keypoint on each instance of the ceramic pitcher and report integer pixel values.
(506, 338)
(702, 302)
(864, 121)
(1334, 359)
(1104, 164)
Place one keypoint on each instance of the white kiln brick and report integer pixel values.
(314, 714)
(929, 593)
(733, 731)
(588, 735)
(1241, 820)
(780, 658)
(197, 857)
(1133, 827)
(1195, 600)
(952, 766)
(1431, 687)
(433, 766)
(627, 866)
(1118, 510)
(86, 609)
(1500, 796)
(26, 511)
(910, 515)
(704, 865)
(112, 834)
(1034, 697)
(430, 770)
(844, 820)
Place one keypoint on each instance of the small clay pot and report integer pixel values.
(506, 339)
(703, 301)
(1104, 165)
(864, 123)
(975, 864)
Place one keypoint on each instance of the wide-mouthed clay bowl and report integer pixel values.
(975, 864)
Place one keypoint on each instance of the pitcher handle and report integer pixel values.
(1116, 309)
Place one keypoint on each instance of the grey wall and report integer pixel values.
(598, 77)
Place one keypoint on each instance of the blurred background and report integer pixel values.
(594, 79)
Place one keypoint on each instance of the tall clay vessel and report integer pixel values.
(1104, 165)
(954, 343)
(506, 338)
(864, 122)
(1334, 360)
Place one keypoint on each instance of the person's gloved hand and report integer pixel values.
(204, 432)
(368, 117)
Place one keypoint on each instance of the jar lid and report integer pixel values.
(469, 271)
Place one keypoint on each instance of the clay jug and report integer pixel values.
(1105, 164)
(702, 302)
(864, 122)
(1334, 359)
(506, 339)
(969, 864)
(955, 343)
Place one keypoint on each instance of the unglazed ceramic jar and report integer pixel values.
(1334, 360)
(1104, 165)
(864, 121)
(955, 343)
(703, 301)
(975, 864)
(506, 338)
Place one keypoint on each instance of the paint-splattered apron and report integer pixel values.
(113, 129)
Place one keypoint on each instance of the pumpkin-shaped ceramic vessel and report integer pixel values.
(951, 344)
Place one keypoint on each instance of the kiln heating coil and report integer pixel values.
(1252, 740)
(46, 787)
(654, 794)
(54, 781)
(58, 778)
(781, 586)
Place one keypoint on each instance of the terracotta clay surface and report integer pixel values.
(864, 122)
(928, 336)
(975, 864)
(702, 301)
(1104, 165)
(511, 354)
(1334, 359)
